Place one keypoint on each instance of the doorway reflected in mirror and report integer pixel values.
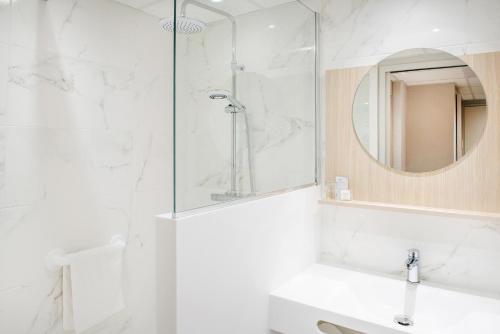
(419, 110)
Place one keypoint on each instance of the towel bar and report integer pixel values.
(57, 258)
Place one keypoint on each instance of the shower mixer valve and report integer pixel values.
(232, 109)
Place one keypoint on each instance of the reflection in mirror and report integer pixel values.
(419, 110)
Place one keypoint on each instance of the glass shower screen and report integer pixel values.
(245, 99)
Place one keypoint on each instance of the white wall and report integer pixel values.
(84, 154)
(84, 151)
(456, 252)
(225, 262)
(358, 33)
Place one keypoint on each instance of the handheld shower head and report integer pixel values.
(222, 94)
(219, 94)
(185, 25)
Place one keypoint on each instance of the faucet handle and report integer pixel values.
(413, 253)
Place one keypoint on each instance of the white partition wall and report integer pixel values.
(216, 269)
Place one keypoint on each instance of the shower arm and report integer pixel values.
(234, 63)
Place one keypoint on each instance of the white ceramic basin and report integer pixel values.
(368, 303)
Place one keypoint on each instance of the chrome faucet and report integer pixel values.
(413, 266)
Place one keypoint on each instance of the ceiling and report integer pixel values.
(164, 8)
(464, 78)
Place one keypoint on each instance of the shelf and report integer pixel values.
(491, 216)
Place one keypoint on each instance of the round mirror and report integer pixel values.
(419, 110)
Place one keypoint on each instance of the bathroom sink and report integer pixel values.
(368, 303)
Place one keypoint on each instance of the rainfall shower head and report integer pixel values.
(185, 25)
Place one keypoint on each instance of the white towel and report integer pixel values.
(92, 287)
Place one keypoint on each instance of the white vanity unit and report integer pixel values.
(369, 303)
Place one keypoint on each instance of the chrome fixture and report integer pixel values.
(413, 266)
(219, 94)
(186, 25)
(234, 106)
(403, 320)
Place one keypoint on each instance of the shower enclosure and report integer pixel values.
(244, 99)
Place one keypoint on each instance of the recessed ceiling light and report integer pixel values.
(271, 26)
(436, 30)
(217, 0)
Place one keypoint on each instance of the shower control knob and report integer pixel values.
(230, 109)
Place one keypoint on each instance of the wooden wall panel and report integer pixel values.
(473, 183)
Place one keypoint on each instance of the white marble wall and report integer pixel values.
(277, 87)
(456, 252)
(361, 32)
(84, 151)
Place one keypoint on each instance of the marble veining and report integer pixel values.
(85, 138)
(362, 32)
(276, 87)
(455, 252)
(84, 151)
